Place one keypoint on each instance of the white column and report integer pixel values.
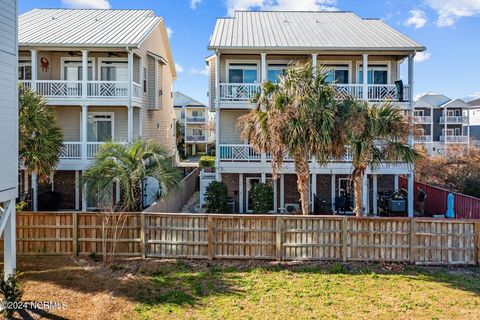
(275, 188)
(395, 183)
(365, 194)
(314, 62)
(35, 192)
(140, 122)
(333, 194)
(240, 192)
(84, 131)
(77, 190)
(9, 243)
(84, 72)
(431, 130)
(445, 146)
(375, 194)
(314, 191)
(84, 196)
(52, 181)
(117, 191)
(217, 116)
(130, 123)
(130, 89)
(365, 76)
(411, 192)
(264, 73)
(264, 178)
(411, 63)
(282, 191)
(34, 68)
(468, 129)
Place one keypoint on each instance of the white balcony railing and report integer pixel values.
(192, 119)
(107, 89)
(59, 89)
(454, 120)
(422, 119)
(243, 92)
(195, 138)
(423, 138)
(71, 150)
(137, 91)
(455, 139)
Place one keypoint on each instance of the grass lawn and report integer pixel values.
(169, 289)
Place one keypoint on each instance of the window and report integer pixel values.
(100, 127)
(24, 70)
(337, 73)
(377, 74)
(242, 73)
(73, 70)
(276, 70)
(114, 71)
(418, 113)
(197, 132)
(197, 113)
(450, 132)
(346, 190)
(144, 80)
(421, 131)
(250, 183)
(102, 200)
(458, 132)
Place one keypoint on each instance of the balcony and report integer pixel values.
(244, 92)
(73, 150)
(195, 138)
(192, 119)
(455, 139)
(422, 119)
(422, 139)
(454, 120)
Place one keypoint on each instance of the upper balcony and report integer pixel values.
(422, 119)
(454, 139)
(454, 120)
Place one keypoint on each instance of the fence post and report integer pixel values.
(413, 250)
(279, 230)
(210, 231)
(344, 239)
(142, 235)
(75, 233)
(477, 242)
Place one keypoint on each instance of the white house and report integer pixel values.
(8, 131)
(475, 120)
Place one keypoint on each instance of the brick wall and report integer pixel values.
(64, 183)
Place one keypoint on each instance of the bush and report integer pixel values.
(207, 162)
(262, 198)
(216, 197)
(472, 187)
(10, 289)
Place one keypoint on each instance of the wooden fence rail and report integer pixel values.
(269, 237)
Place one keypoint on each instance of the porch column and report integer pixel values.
(282, 192)
(264, 72)
(395, 183)
(77, 190)
(217, 117)
(365, 194)
(264, 177)
(52, 181)
(314, 62)
(375, 194)
(275, 188)
(83, 133)
(468, 129)
(313, 191)
(130, 124)
(431, 130)
(130, 89)
(9, 243)
(140, 122)
(26, 188)
(445, 146)
(34, 192)
(365, 76)
(84, 195)
(411, 63)
(333, 194)
(85, 73)
(117, 191)
(240, 192)
(411, 192)
(34, 68)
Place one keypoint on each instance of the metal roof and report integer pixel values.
(322, 30)
(85, 27)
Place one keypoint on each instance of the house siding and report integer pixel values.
(229, 132)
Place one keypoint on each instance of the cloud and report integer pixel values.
(169, 32)
(422, 56)
(473, 96)
(87, 4)
(449, 11)
(196, 71)
(294, 5)
(418, 19)
(194, 4)
(179, 67)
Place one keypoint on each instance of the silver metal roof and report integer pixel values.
(290, 30)
(85, 27)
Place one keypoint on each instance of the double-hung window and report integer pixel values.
(24, 70)
(377, 74)
(275, 71)
(418, 113)
(73, 70)
(114, 71)
(337, 73)
(243, 73)
(100, 127)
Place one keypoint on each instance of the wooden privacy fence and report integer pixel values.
(421, 241)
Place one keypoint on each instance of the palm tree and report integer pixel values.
(380, 136)
(297, 116)
(130, 165)
(40, 139)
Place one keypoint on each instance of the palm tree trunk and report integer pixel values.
(358, 191)
(303, 172)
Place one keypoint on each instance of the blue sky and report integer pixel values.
(450, 29)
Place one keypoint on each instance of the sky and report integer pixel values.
(450, 29)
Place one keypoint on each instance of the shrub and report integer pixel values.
(262, 198)
(207, 162)
(472, 187)
(10, 289)
(216, 197)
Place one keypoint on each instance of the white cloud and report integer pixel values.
(203, 71)
(422, 56)
(169, 32)
(87, 4)
(194, 4)
(449, 11)
(473, 96)
(294, 5)
(418, 19)
(179, 67)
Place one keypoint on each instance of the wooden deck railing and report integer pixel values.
(420, 241)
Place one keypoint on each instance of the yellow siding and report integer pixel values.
(229, 133)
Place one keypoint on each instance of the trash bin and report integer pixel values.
(231, 205)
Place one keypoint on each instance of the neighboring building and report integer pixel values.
(343, 43)
(475, 121)
(197, 124)
(442, 124)
(8, 131)
(108, 74)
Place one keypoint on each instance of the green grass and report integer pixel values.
(310, 292)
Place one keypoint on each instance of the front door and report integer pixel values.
(346, 187)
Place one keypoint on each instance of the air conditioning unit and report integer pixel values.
(292, 208)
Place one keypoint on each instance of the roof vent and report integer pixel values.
(53, 18)
(286, 21)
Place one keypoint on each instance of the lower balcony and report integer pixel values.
(422, 139)
(73, 150)
(195, 138)
(454, 139)
(454, 120)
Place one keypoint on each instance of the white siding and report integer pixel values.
(9, 100)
